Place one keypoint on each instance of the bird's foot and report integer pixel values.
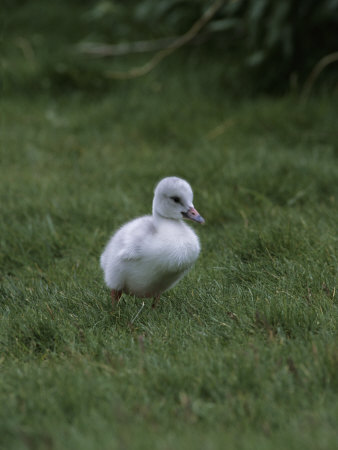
(115, 297)
(155, 302)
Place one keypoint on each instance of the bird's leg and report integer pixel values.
(115, 297)
(155, 302)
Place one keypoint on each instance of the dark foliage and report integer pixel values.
(263, 45)
(276, 41)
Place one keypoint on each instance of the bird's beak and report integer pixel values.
(193, 214)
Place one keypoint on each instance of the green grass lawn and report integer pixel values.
(243, 353)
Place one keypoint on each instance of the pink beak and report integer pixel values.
(193, 214)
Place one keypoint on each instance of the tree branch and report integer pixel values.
(125, 48)
(176, 44)
(316, 71)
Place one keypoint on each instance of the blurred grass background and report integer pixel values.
(243, 352)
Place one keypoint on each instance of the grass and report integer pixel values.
(242, 354)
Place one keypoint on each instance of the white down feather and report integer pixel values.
(151, 254)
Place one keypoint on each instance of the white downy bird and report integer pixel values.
(150, 254)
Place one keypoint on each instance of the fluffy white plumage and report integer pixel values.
(150, 254)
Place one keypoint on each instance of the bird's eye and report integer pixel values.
(176, 199)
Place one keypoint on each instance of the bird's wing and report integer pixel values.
(130, 253)
(134, 238)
